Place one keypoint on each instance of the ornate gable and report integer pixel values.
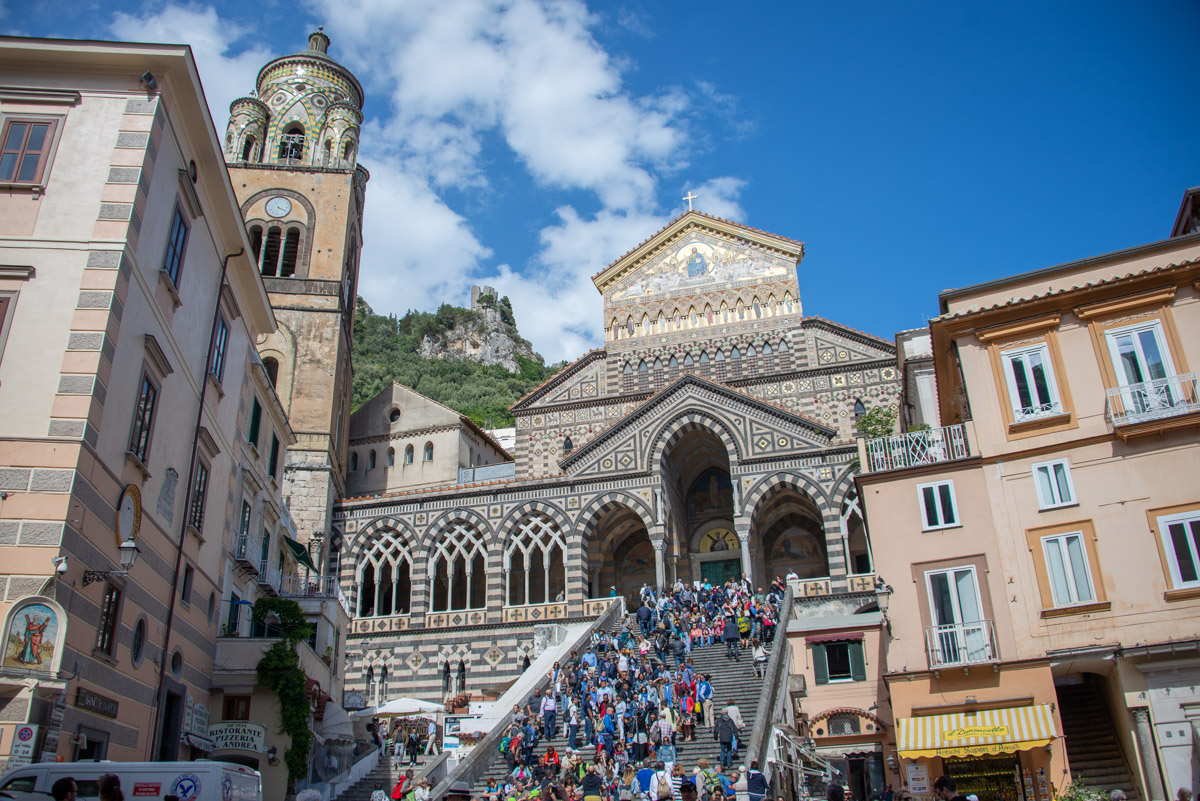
(754, 429)
(581, 381)
(831, 344)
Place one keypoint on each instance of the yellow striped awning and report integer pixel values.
(977, 733)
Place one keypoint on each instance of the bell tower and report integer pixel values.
(290, 147)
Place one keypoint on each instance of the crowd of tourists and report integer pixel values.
(626, 703)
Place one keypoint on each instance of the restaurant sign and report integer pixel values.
(101, 705)
(236, 734)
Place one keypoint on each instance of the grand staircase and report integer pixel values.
(1093, 751)
(383, 775)
(732, 681)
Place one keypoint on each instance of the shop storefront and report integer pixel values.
(996, 754)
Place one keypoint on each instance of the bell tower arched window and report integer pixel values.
(291, 248)
(328, 151)
(291, 144)
(272, 366)
(270, 254)
(256, 243)
(248, 149)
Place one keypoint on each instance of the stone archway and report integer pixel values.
(790, 534)
(620, 553)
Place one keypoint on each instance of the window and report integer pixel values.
(408, 454)
(255, 423)
(391, 457)
(1144, 368)
(354, 462)
(26, 150)
(394, 416)
(137, 645)
(1032, 392)
(269, 263)
(1054, 487)
(185, 589)
(291, 144)
(371, 460)
(110, 618)
(216, 365)
(1067, 568)
(271, 365)
(248, 149)
(199, 495)
(839, 661)
(859, 410)
(291, 248)
(237, 707)
(243, 542)
(429, 451)
(233, 621)
(273, 466)
(938, 509)
(176, 243)
(1181, 542)
(143, 419)
(843, 724)
(568, 446)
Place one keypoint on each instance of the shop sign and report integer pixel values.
(918, 778)
(189, 707)
(354, 699)
(200, 720)
(21, 752)
(99, 704)
(236, 734)
(965, 732)
(975, 750)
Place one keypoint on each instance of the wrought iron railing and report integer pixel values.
(961, 644)
(917, 448)
(1153, 400)
(268, 576)
(1037, 412)
(314, 587)
(244, 551)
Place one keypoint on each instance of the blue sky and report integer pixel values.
(912, 147)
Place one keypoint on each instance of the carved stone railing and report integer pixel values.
(774, 687)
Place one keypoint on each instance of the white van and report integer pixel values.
(202, 780)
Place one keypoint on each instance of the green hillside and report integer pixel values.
(385, 350)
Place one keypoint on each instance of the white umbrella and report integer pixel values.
(400, 707)
(336, 725)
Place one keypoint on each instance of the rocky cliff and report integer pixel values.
(482, 336)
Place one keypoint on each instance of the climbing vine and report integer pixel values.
(279, 670)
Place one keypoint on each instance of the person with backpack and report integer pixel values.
(660, 783)
(725, 731)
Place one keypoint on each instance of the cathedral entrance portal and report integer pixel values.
(792, 534)
(620, 555)
(718, 572)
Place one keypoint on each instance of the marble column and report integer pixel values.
(1149, 754)
(660, 568)
(743, 535)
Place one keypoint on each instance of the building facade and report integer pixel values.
(1042, 541)
(712, 436)
(129, 314)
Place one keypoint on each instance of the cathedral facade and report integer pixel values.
(712, 436)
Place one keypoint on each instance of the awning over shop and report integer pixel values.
(846, 751)
(198, 741)
(988, 731)
(300, 552)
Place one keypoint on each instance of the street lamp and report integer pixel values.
(883, 599)
(127, 552)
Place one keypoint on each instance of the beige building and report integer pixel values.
(129, 408)
(1044, 541)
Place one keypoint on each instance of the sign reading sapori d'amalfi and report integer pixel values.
(236, 734)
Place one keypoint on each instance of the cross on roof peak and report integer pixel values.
(689, 197)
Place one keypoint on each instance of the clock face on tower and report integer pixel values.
(279, 206)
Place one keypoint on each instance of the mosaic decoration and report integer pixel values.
(701, 260)
(31, 641)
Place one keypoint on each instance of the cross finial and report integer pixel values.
(689, 197)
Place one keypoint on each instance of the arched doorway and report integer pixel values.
(790, 529)
(698, 493)
(619, 554)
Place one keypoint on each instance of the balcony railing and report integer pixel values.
(917, 448)
(245, 552)
(314, 587)
(1153, 400)
(961, 644)
(268, 577)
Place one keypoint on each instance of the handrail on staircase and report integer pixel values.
(476, 764)
(759, 746)
(433, 770)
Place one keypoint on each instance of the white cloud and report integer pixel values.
(225, 74)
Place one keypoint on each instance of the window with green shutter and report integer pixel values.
(255, 422)
(839, 661)
(820, 665)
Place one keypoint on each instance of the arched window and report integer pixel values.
(270, 257)
(383, 688)
(391, 457)
(384, 577)
(757, 309)
(291, 248)
(673, 364)
(348, 152)
(657, 364)
(353, 462)
(783, 346)
(291, 144)
(859, 410)
(766, 349)
(568, 446)
(328, 151)
(372, 689)
(629, 325)
(429, 451)
(628, 368)
(459, 569)
(704, 357)
(737, 354)
(688, 361)
(256, 243)
(371, 460)
(248, 149)
(642, 368)
(408, 454)
(750, 353)
(534, 562)
(271, 364)
(720, 357)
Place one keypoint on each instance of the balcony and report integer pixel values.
(314, 587)
(1153, 401)
(268, 578)
(916, 448)
(961, 644)
(245, 554)
(237, 661)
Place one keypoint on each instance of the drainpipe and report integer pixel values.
(156, 713)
